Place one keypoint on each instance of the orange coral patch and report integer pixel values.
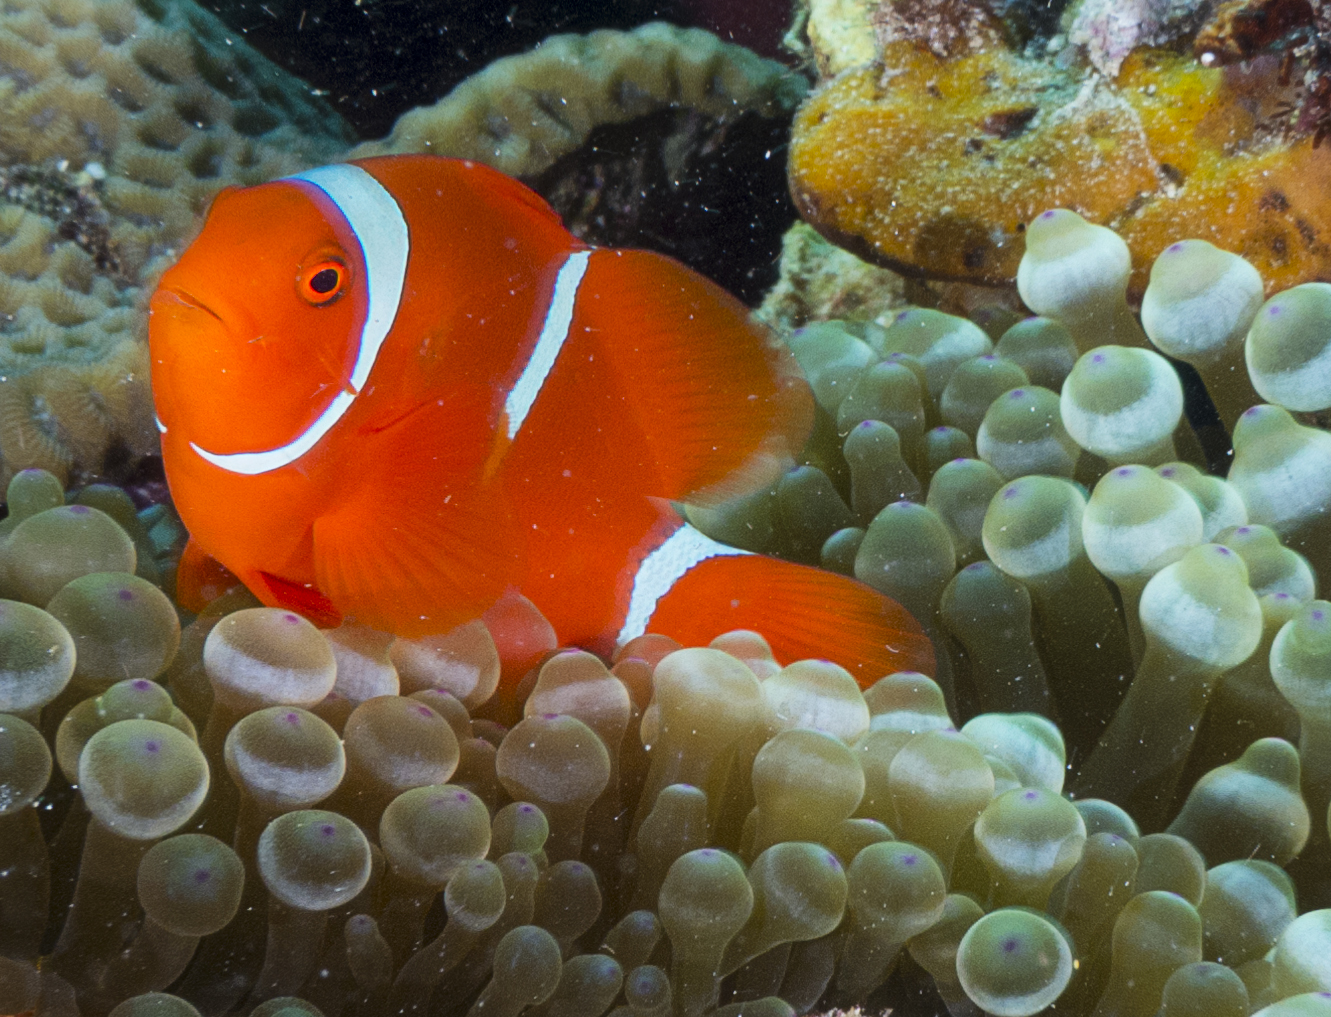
(933, 167)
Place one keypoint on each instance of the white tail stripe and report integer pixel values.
(662, 569)
(378, 225)
(554, 332)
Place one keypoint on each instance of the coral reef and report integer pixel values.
(1115, 798)
(932, 160)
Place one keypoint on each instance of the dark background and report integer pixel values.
(379, 58)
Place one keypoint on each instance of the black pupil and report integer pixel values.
(324, 280)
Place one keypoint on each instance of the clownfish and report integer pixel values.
(397, 390)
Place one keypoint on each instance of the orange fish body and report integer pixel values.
(395, 389)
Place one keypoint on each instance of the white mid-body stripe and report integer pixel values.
(664, 567)
(379, 227)
(554, 332)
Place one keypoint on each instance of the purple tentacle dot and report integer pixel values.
(1009, 945)
(328, 829)
(125, 594)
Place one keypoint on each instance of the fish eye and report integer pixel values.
(323, 282)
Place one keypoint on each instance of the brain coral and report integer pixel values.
(118, 123)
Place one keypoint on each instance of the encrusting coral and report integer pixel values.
(929, 151)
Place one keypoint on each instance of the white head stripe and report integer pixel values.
(554, 331)
(662, 569)
(377, 223)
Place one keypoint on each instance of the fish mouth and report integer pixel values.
(187, 299)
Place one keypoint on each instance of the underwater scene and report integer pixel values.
(665, 509)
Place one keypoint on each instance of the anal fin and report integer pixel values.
(302, 598)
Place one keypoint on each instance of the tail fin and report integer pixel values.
(803, 612)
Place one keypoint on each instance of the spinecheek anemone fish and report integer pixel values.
(398, 391)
